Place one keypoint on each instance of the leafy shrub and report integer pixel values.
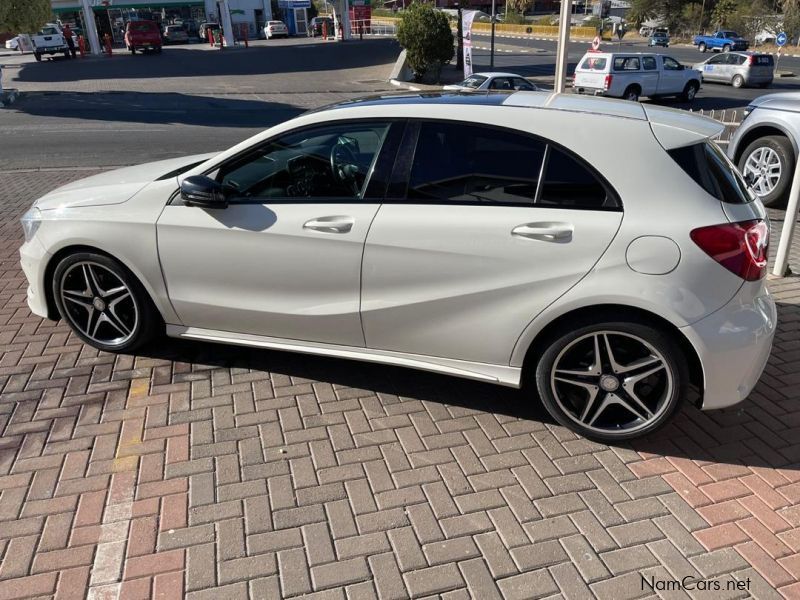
(425, 34)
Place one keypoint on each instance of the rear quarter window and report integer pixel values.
(708, 166)
(626, 63)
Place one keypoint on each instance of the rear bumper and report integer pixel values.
(734, 344)
(589, 91)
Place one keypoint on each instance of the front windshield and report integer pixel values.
(473, 82)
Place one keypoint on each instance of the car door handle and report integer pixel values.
(333, 224)
(547, 231)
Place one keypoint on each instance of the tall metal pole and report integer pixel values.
(562, 52)
(787, 233)
(494, 16)
(460, 42)
(90, 27)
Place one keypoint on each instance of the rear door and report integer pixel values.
(482, 228)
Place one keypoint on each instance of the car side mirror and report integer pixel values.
(203, 192)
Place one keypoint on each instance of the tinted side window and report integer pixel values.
(569, 184)
(649, 63)
(594, 64)
(626, 63)
(332, 161)
(670, 64)
(464, 164)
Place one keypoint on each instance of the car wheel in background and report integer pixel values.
(611, 381)
(737, 81)
(768, 164)
(632, 93)
(103, 303)
(702, 47)
(690, 91)
(726, 48)
(37, 56)
(132, 49)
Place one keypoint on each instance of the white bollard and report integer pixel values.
(787, 233)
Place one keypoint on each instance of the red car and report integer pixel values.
(143, 35)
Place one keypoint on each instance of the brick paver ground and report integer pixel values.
(220, 472)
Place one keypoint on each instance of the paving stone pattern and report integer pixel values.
(218, 472)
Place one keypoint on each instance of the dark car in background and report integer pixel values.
(315, 26)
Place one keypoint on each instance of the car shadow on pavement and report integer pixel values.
(156, 108)
(373, 378)
(762, 431)
(196, 63)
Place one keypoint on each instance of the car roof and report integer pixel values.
(497, 74)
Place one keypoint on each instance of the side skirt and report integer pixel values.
(499, 374)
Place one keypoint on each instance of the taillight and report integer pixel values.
(751, 60)
(739, 247)
(607, 82)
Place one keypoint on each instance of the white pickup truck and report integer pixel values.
(632, 75)
(50, 40)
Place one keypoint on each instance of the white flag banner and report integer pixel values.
(467, 17)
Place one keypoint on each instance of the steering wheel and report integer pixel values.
(344, 164)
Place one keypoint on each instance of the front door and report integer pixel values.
(715, 68)
(284, 258)
(673, 76)
(472, 243)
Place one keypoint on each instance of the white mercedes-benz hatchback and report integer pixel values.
(606, 253)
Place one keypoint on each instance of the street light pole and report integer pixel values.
(563, 45)
(494, 16)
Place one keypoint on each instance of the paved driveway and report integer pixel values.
(224, 473)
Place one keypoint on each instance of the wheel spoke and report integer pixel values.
(115, 321)
(92, 322)
(631, 401)
(642, 363)
(79, 298)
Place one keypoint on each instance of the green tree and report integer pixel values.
(24, 16)
(723, 12)
(425, 34)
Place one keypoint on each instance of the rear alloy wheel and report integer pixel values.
(767, 164)
(737, 81)
(612, 381)
(632, 94)
(103, 304)
(702, 47)
(726, 48)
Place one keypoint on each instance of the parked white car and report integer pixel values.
(477, 235)
(493, 81)
(275, 29)
(633, 75)
(50, 40)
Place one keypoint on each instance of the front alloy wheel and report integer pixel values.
(612, 381)
(105, 305)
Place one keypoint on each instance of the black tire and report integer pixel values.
(702, 47)
(67, 54)
(675, 370)
(146, 322)
(133, 49)
(737, 81)
(779, 196)
(632, 93)
(37, 56)
(726, 48)
(690, 91)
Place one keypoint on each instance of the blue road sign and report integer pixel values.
(781, 39)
